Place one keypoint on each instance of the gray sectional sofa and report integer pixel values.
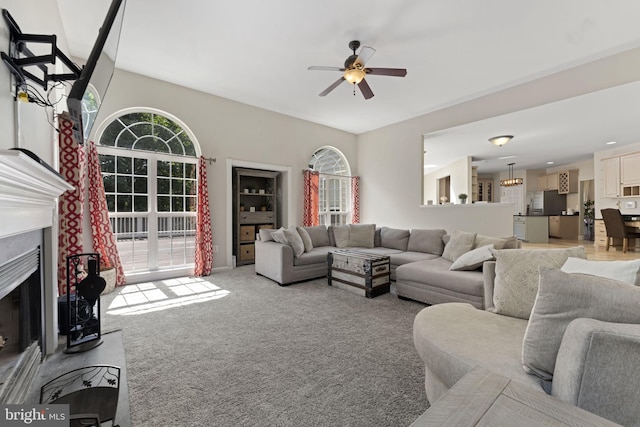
(547, 325)
(428, 265)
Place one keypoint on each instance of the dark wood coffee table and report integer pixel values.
(360, 272)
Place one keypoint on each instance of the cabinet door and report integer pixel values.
(554, 226)
(611, 174)
(552, 181)
(630, 169)
(542, 182)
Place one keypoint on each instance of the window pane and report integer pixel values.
(124, 165)
(177, 169)
(124, 203)
(126, 139)
(191, 204)
(190, 187)
(164, 168)
(111, 203)
(110, 134)
(149, 143)
(177, 186)
(164, 203)
(140, 166)
(177, 204)
(109, 182)
(141, 129)
(140, 203)
(124, 184)
(107, 163)
(190, 170)
(176, 147)
(140, 185)
(163, 186)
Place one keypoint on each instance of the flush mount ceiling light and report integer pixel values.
(500, 140)
(511, 181)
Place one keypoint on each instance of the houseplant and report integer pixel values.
(463, 198)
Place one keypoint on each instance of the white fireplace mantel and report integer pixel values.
(28, 193)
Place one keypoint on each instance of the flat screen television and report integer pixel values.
(88, 91)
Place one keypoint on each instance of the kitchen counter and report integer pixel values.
(531, 228)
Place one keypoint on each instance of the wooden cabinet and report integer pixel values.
(611, 176)
(255, 206)
(564, 226)
(474, 184)
(485, 190)
(548, 182)
(568, 182)
(600, 233)
(630, 169)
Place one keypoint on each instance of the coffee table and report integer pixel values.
(359, 272)
(482, 398)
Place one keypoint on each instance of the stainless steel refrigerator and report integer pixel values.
(546, 203)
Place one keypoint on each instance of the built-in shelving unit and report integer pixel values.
(255, 206)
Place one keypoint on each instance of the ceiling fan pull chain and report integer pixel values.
(354, 89)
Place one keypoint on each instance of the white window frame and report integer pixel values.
(335, 172)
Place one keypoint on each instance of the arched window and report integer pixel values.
(334, 194)
(148, 164)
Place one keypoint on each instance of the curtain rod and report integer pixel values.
(328, 174)
(210, 159)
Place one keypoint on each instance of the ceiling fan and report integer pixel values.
(355, 70)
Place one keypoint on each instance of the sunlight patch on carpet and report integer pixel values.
(162, 295)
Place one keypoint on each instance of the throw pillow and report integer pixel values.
(516, 282)
(497, 242)
(426, 241)
(394, 238)
(295, 241)
(319, 235)
(361, 235)
(265, 234)
(377, 238)
(563, 297)
(306, 239)
(341, 235)
(279, 236)
(624, 271)
(473, 259)
(459, 243)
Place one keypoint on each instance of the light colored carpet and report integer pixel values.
(236, 349)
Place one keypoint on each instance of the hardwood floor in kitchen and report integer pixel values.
(595, 253)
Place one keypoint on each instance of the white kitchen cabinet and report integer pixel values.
(611, 175)
(630, 169)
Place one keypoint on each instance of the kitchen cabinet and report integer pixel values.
(568, 182)
(548, 182)
(255, 207)
(611, 176)
(564, 226)
(532, 229)
(630, 169)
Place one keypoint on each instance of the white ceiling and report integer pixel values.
(257, 52)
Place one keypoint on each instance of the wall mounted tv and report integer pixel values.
(88, 91)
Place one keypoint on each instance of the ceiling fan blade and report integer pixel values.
(321, 68)
(395, 72)
(365, 89)
(332, 87)
(365, 54)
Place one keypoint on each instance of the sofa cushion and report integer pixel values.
(563, 297)
(361, 235)
(401, 258)
(624, 271)
(473, 259)
(394, 238)
(319, 235)
(435, 273)
(459, 243)
(306, 239)
(340, 235)
(427, 241)
(294, 240)
(316, 256)
(377, 238)
(516, 282)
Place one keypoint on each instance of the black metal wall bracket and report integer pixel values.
(20, 56)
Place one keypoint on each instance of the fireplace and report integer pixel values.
(28, 263)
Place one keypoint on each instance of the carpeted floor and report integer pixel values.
(236, 349)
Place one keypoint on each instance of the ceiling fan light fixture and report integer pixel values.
(500, 140)
(354, 75)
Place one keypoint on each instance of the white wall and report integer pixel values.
(230, 130)
(460, 175)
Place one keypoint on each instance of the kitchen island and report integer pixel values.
(531, 228)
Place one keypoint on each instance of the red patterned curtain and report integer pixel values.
(104, 242)
(311, 217)
(204, 238)
(70, 204)
(355, 199)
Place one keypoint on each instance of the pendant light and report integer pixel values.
(511, 181)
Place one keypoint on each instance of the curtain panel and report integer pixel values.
(311, 216)
(355, 199)
(204, 237)
(70, 203)
(104, 241)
